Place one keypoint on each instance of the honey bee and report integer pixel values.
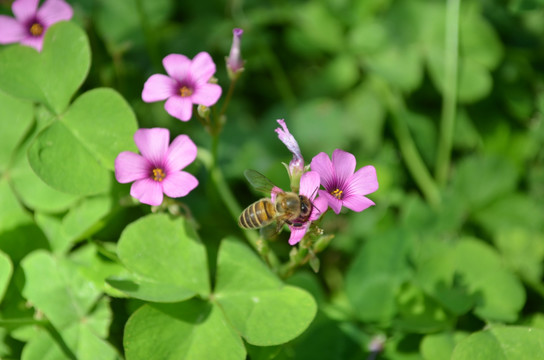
(288, 208)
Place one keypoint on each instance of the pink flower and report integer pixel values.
(235, 64)
(30, 23)
(297, 163)
(187, 83)
(342, 186)
(158, 169)
(309, 184)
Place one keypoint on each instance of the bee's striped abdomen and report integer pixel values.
(258, 214)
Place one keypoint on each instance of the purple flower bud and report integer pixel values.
(235, 64)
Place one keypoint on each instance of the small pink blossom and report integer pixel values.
(297, 163)
(30, 22)
(309, 184)
(187, 83)
(158, 170)
(342, 186)
(235, 64)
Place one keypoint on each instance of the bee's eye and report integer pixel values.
(304, 208)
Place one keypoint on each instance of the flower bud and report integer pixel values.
(235, 64)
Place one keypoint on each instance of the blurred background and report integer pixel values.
(444, 98)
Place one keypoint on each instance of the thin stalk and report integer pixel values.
(449, 105)
(230, 91)
(409, 151)
(234, 208)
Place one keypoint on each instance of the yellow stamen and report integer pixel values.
(158, 175)
(337, 194)
(185, 91)
(36, 29)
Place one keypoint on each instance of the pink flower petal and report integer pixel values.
(320, 205)
(53, 11)
(334, 203)
(147, 191)
(130, 167)
(202, 67)
(206, 94)
(179, 107)
(363, 182)
(344, 165)
(158, 87)
(177, 66)
(297, 233)
(24, 10)
(357, 202)
(323, 165)
(179, 184)
(309, 183)
(33, 41)
(181, 153)
(11, 30)
(153, 144)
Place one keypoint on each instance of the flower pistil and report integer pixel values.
(158, 174)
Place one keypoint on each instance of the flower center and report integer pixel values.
(185, 91)
(158, 174)
(337, 193)
(36, 29)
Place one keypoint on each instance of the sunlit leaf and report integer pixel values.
(166, 258)
(191, 330)
(52, 76)
(508, 342)
(255, 302)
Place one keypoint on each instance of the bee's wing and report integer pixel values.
(259, 181)
(271, 230)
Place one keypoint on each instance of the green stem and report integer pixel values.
(409, 151)
(15, 323)
(227, 99)
(234, 208)
(449, 105)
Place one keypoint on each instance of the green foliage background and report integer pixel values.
(448, 264)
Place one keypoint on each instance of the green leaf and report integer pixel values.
(81, 340)
(15, 120)
(82, 146)
(6, 269)
(55, 287)
(63, 163)
(255, 302)
(51, 226)
(523, 250)
(418, 313)
(510, 211)
(121, 22)
(104, 123)
(84, 219)
(480, 179)
(11, 211)
(500, 294)
(52, 76)
(502, 343)
(440, 346)
(401, 67)
(167, 260)
(375, 276)
(34, 193)
(190, 330)
(317, 29)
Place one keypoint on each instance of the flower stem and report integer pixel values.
(449, 105)
(234, 208)
(409, 151)
(230, 91)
